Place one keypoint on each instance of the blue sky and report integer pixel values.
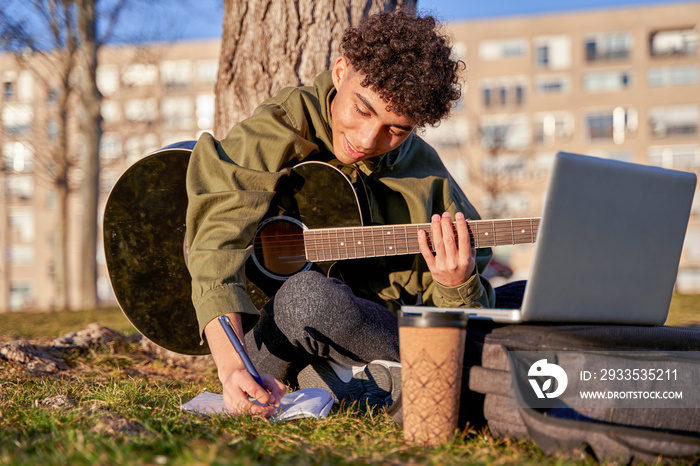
(449, 10)
(166, 20)
(205, 20)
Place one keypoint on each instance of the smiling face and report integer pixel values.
(362, 127)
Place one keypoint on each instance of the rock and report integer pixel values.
(58, 401)
(92, 336)
(113, 425)
(33, 358)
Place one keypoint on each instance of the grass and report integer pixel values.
(123, 409)
(43, 325)
(685, 311)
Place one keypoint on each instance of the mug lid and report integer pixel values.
(422, 316)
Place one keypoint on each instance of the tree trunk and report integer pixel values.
(92, 132)
(60, 248)
(270, 44)
(61, 183)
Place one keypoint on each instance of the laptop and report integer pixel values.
(608, 245)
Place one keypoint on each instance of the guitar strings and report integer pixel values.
(359, 242)
(333, 235)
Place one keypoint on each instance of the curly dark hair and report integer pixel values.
(407, 62)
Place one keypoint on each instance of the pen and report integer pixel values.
(238, 346)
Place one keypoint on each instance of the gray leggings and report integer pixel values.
(313, 317)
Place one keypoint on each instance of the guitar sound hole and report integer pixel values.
(279, 248)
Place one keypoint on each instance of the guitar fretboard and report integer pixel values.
(332, 244)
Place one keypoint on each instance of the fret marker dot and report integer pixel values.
(391, 247)
(359, 242)
(342, 244)
(522, 231)
(487, 233)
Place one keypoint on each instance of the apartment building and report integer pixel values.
(618, 83)
(154, 95)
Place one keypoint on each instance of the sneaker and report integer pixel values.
(378, 384)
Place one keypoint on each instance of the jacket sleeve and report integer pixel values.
(230, 185)
(475, 292)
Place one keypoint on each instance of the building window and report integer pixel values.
(8, 90)
(21, 296)
(606, 81)
(553, 52)
(110, 111)
(509, 132)
(176, 75)
(25, 86)
(22, 221)
(612, 125)
(205, 111)
(110, 146)
(18, 156)
(502, 93)
(177, 112)
(207, 71)
(611, 46)
(19, 186)
(108, 79)
(670, 42)
(551, 85)
(672, 75)
(139, 74)
(680, 157)
(453, 132)
(490, 50)
(17, 118)
(542, 56)
(52, 96)
(677, 120)
(487, 96)
(553, 127)
(691, 246)
(543, 163)
(519, 94)
(52, 129)
(141, 110)
(688, 281)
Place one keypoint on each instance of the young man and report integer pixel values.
(395, 75)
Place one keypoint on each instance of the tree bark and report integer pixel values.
(92, 132)
(270, 44)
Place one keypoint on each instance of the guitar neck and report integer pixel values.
(332, 244)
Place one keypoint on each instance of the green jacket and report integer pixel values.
(231, 182)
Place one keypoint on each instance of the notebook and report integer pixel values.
(309, 402)
(608, 247)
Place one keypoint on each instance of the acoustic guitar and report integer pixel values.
(315, 220)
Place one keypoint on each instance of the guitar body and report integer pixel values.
(144, 233)
(314, 195)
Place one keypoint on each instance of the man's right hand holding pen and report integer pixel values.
(237, 382)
